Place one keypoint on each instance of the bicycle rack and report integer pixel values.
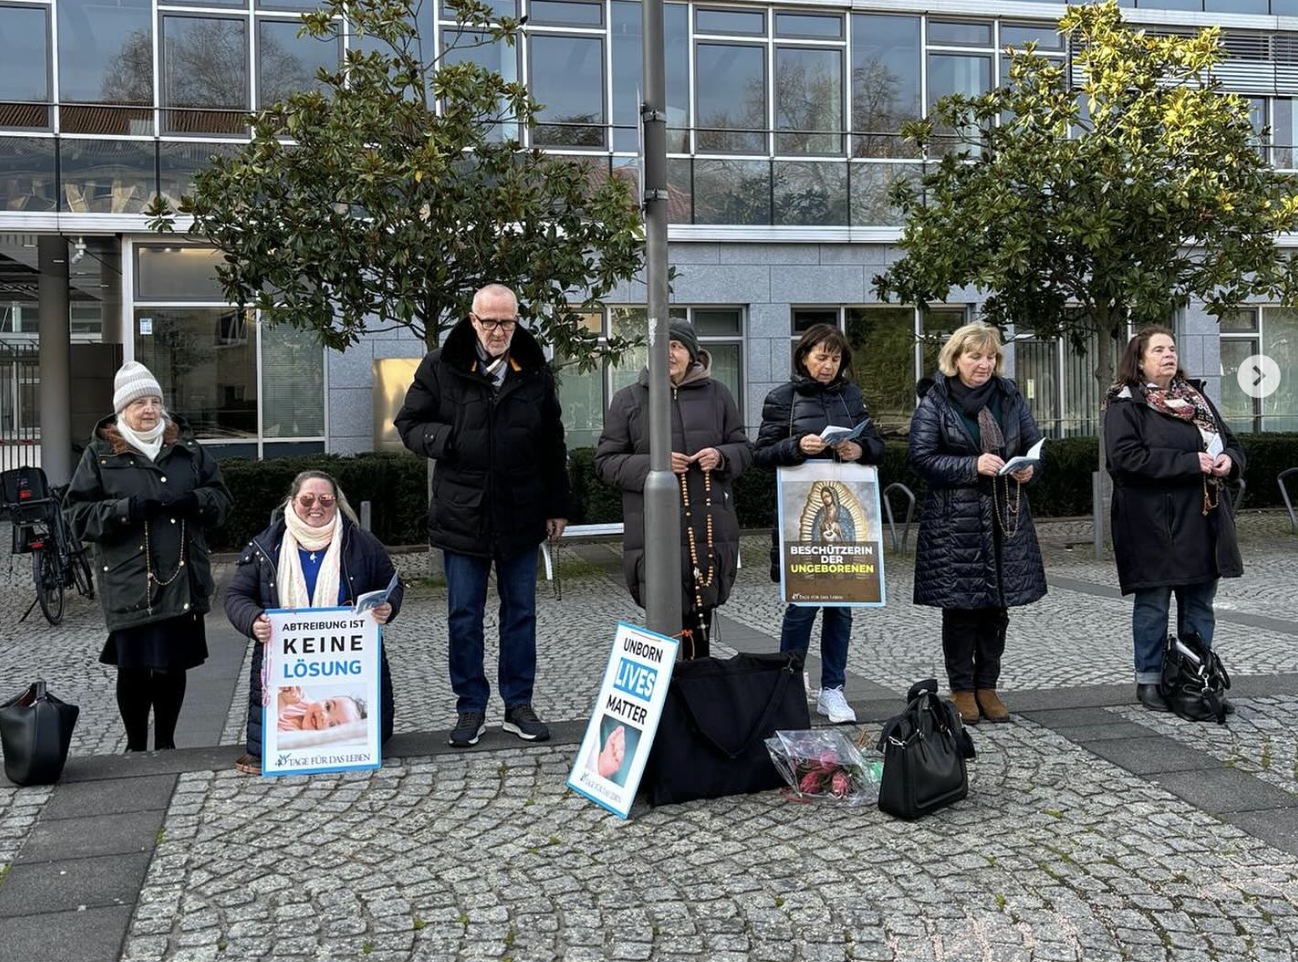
(910, 513)
(1288, 503)
(1239, 497)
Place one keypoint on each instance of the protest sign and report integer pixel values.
(831, 534)
(621, 729)
(321, 692)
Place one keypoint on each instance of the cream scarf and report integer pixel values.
(148, 442)
(292, 582)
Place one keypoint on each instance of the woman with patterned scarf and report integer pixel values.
(1168, 452)
(315, 556)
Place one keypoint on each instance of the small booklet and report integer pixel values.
(836, 435)
(372, 599)
(1029, 460)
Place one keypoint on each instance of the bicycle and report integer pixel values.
(58, 559)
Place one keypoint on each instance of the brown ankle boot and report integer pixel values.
(992, 708)
(966, 706)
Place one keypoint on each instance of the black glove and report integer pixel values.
(186, 506)
(145, 509)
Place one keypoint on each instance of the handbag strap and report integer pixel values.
(772, 705)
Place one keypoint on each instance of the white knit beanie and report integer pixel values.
(133, 381)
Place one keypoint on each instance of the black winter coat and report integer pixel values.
(98, 501)
(704, 415)
(365, 567)
(1160, 534)
(958, 561)
(805, 406)
(502, 468)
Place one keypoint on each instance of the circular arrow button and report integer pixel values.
(1259, 376)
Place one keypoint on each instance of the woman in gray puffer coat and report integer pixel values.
(709, 450)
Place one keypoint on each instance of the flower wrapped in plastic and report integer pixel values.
(824, 764)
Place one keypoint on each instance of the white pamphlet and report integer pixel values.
(1029, 460)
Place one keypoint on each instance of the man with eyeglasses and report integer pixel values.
(485, 409)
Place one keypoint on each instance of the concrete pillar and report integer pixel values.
(55, 360)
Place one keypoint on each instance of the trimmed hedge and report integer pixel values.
(397, 486)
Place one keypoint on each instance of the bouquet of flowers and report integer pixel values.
(824, 764)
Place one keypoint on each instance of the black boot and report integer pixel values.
(1151, 698)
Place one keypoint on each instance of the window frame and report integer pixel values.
(165, 127)
(50, 56)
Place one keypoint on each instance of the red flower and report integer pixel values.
(841, 784)
(810, 783)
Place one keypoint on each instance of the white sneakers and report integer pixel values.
(832, 704)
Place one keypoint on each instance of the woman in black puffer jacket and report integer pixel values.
(818, 396)
(318, 557)
(977, 553)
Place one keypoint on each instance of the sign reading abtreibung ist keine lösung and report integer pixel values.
(320, 687)
(621, 731)
(831, 534)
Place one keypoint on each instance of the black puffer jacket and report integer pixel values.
(365, 567)
(958, 563)
(110, 473)
(805, 406)
(502, 468)
(704, 415)
(1161, 536)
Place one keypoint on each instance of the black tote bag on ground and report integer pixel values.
(718, 714)
(36, 730)
(924, 751)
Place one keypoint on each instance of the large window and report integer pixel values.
(1270, 331)
(204, 74)
(886, 82)
(106, 176)
(730, 96)
(808, 100)
(288, 63)
(105, 61)
(568, 79)
(1059, 384)
(470, 46)
(234, 379)
(586, 396)
(25, 81)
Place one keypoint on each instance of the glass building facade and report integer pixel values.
(784, 138)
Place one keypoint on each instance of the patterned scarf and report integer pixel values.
(1180, 400)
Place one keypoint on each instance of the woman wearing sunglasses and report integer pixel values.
(315, 556)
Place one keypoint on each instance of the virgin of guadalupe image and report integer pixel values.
(828, 516)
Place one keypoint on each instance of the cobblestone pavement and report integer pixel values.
(1055, 856)
(1259, 738)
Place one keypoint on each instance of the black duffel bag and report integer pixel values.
(36, 730)
(717, 717)
(924, 751)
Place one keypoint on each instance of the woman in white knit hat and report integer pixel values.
(143, 494)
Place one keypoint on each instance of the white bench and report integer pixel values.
(591, 531)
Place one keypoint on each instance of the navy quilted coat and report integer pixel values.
(957, 561)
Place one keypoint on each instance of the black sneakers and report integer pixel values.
(522, 721)
(469, 727)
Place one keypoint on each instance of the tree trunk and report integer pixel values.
(1107, 319)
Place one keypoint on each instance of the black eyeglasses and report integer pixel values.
(490, 324)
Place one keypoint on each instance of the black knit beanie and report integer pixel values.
(683, 331)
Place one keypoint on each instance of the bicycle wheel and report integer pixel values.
(49, 586)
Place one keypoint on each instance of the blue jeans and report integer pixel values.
(1194, 615)
(835, 631)
(466, 591)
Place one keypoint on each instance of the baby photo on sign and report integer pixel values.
(612, 755)
(320, 715)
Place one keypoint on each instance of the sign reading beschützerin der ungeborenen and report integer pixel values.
(831, 534)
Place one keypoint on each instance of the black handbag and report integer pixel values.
(924, 751)
(1194, 679)
(36, 730)
(715, 722)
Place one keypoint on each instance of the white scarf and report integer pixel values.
(292, 582)
(147, 442)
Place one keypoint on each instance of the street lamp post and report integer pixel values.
(662, 506)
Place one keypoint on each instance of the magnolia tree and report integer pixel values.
(396, 188)
(1080, 203)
